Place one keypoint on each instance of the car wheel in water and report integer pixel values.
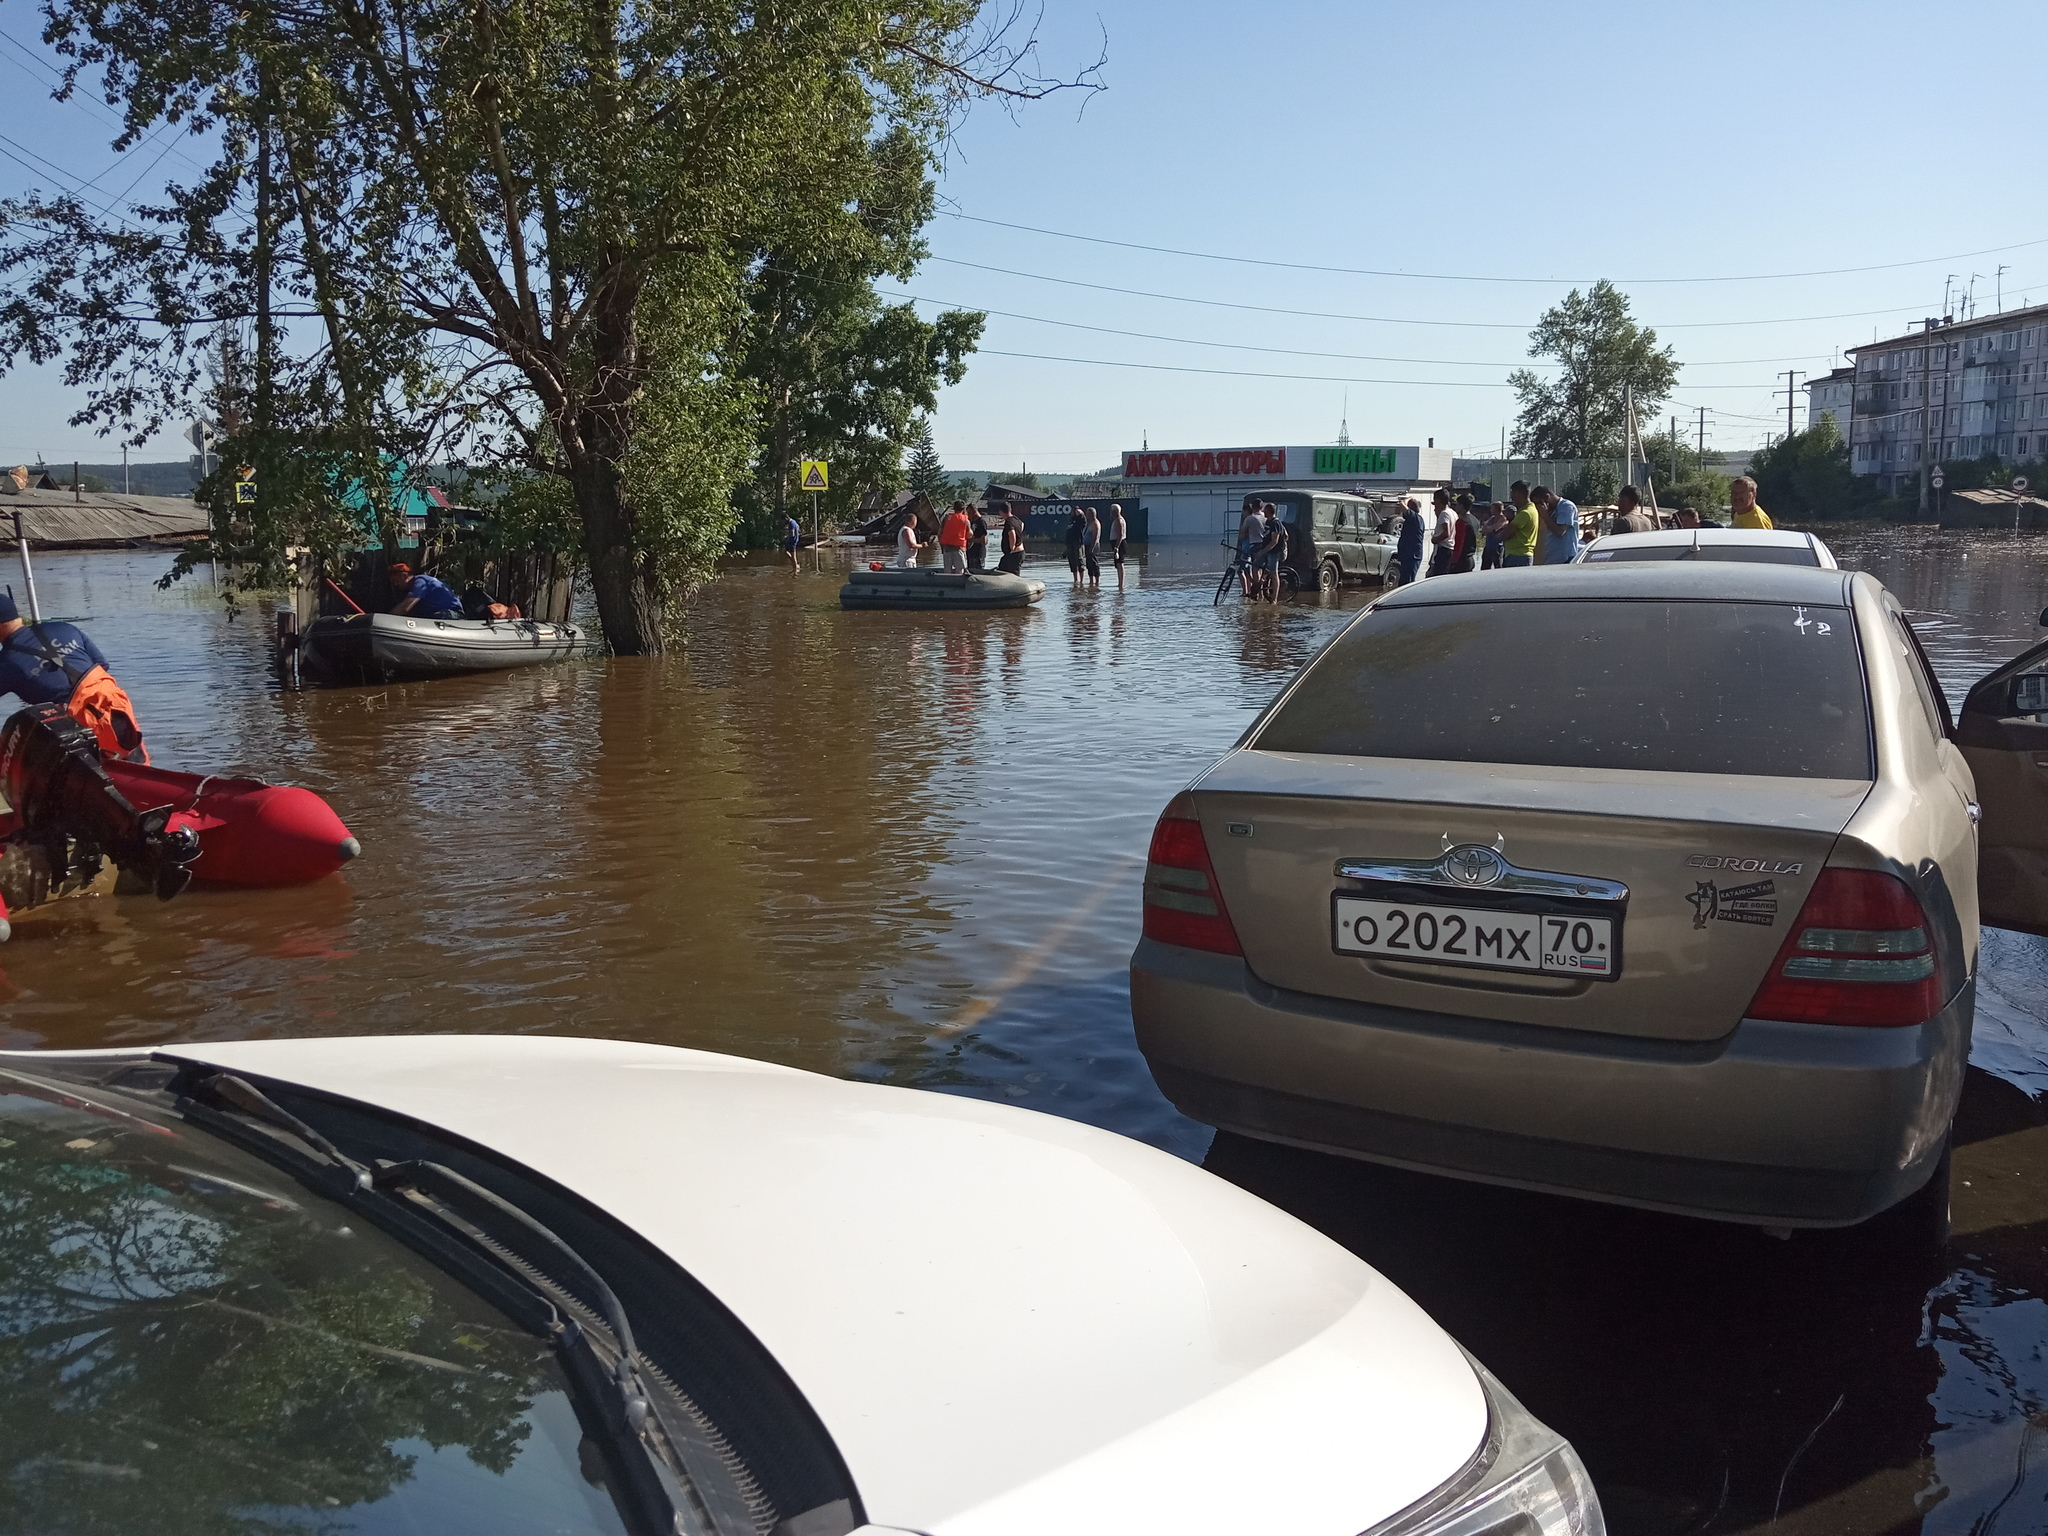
(1328, 578)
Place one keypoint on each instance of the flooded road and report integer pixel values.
(907, 848)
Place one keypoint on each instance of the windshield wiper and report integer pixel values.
(450, 1219)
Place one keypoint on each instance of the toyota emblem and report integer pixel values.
(1474, 864)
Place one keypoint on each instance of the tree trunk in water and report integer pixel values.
(622, 578)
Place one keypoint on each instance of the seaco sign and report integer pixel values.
(1207, 461)
(1356, 461)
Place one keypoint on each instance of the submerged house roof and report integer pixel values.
(99, 519)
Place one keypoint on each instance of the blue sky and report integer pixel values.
(1528, 148)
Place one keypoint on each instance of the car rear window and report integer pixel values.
(1699, 687)
(1738, 554)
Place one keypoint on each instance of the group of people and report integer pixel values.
(964, 533)
(1087, 534)
(963, 539)
(1261, 550)
(1460, 536)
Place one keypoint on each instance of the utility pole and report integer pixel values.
(1791, 378)
(1703, 436)
(1926, 446)
(1628, 434)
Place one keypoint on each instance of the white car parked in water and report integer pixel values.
(1736, 546)
(519, 1284)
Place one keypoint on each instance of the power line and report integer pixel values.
(1311, 378)
(1459, 277)
(1357, 357)
(1319, 314)
(82, 103)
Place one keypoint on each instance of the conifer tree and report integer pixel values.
(925, 471)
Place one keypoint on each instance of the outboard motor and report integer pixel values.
(50, 768)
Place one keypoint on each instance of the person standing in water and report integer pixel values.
(1012, 560)
(1077, 529)
(792, 541)
(1091, 540)
(1251, 533)
(1117, 529)
(1408, 548)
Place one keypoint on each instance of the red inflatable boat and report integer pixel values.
(250, 832)
(72, 808)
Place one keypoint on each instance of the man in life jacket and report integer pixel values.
(58, 664)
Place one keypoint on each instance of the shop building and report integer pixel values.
(1198, 493)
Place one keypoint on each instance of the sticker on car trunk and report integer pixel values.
(1548, 943)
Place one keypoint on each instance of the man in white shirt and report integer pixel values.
(1443, 535)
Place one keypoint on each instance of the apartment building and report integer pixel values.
(1951, 390)
(1831, 395)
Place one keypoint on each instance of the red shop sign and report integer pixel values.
(1220, 461)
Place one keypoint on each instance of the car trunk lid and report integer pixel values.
(1698, 873)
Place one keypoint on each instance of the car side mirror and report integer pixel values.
(2044, 618)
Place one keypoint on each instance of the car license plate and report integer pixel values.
(1551, 943)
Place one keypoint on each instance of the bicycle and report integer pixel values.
(1289, 583)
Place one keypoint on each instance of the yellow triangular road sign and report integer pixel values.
(814, 475)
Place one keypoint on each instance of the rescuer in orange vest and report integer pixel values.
(59, 664)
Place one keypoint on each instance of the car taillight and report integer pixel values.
(1183, 904)
(1860, 952)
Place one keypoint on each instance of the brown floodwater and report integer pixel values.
(907, 848)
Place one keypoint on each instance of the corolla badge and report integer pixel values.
(1473, 864)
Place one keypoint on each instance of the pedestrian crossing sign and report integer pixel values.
(245, 493)
(814, 475)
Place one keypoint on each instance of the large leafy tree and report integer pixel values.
(1807, 475)
(1602, 354)
(520, 229)
(843, 376)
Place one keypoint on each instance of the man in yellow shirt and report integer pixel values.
(1742, 505)
(1519, 546)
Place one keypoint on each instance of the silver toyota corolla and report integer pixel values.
(1654, 882)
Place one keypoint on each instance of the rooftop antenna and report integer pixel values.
(1344, 423)
(1946, 284)
(2002, 270)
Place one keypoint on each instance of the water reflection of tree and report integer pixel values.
(162, 1370)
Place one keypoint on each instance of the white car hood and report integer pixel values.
(1007, 1321)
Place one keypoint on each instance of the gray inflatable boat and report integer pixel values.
(932, 588)
(372, 647)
